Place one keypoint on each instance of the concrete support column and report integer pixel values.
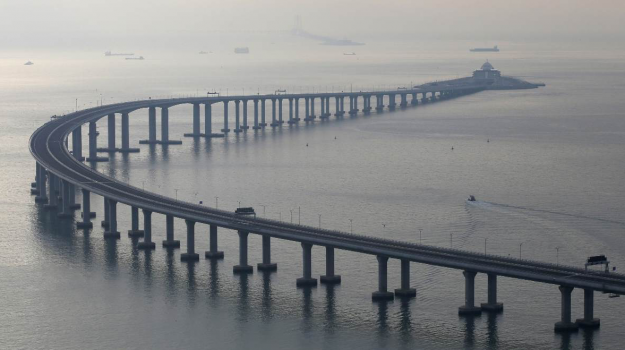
(244, 127)
(263, 123)
(404, 101)
(379, 99)
(337, 108)
(134, 223)
(589, 320)
(111, 132)
(328, 107)
(565, 324)
(72, 198)
(424, 99)
(164, 125)
(112, 221)
(256, 127)
(77, 143)
(469, 307)
(322, 113)
(105, 223)
(52, 196)
(147, 229)
(280, 121)
(415, 100)
(225, 130)
(356, 103)
(267, 265)
(273, 113)
(312, 108)
(170, 242)
(236, 116)
(126, 135)
(297, 110)
(93, 144)
(382, 293)
(86, 211)
(330, 277)
(65, 212)
(196, 119)
(42, 196)
(152, 125)
(492, 305)
(307, 102)
(391, 101)
(190, 255)
(213, 252)
(291, 121)
(306, 280)
(243, 267)
(405, 290)
(208, 120)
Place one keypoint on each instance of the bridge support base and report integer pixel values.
(146, 245)
(97, 159)
(82, 224)
(189, 257)
(218, 255)
(136, 233)
(194, 135)
(172, 244)
(469, 307)
(242, 269)
(382, 293)
(213, 135)
(588, 321)
(565, 324)
(112, 235)
(128, 150)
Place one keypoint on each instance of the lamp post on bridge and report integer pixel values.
(216, 202)
(319, 220)
(420, 239)
(485, 239)
(451, 240)
(520, 249)
(558, 255)
(351, 230)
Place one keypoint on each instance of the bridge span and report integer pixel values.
(60, 171)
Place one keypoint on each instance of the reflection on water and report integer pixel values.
(469, 330)
(267, 300)
(491, 326)
(330, 308)
(405, 319)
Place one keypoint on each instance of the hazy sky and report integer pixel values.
(65, 22)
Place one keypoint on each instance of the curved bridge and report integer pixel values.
(60, 171)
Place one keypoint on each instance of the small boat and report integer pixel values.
(471, 198)
(203, 52)
(613, 295)
(29, 63)
(349, 54)
(241, 50)
(485, 49)
(140, 58)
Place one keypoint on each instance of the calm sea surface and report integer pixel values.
(551, 176)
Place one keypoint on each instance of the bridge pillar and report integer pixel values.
(165, 128)
(351, 105)
(424, 99)
(405, 290)
(322, 108)
(111, 135)
(72, 198)
(147, 232)
(565, 324)
(306, 280)
(307, 117)
(312, 109)
(404, 101)
(589, 321)
(126, 135)
(77, 143)
(243, 267)
(190, 255)
(256, 127)
(328, 114)
(86, 211)
(105, 223)
(469, 307)
(244, 127)
(274, 123)
(170, 242)
(237, 124)
(337, 108)
(93, 144)
(433, 98)
(391, 101)
(42, 195)
(267, 265)
(151, 127)
(330, 277)
(65, 211)
(196, 122)
(53, 198)
(492, 305)
(296, 110)
(280, 121)
(263, 113)
(415, 100)
(112, 232)
(213, 252)
(356, 104)
(291, 120)
(379, 99)
(225, 130)
(382, 293)
(134, 223)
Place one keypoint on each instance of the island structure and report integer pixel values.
(488, 78)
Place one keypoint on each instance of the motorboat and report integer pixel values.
(29, 63)
(471, 198)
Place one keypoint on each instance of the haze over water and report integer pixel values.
(550, 175)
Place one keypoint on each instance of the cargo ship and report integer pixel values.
(485, 49)
(241, 50)
(109, 53)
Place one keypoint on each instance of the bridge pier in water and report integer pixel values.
(134, 223)
(190, 255)
(77, 144)
(93, 144)
(267, 265)
(306, 280)
(256, 126)
(147, 231)
(86, 211)
(165, 129)
(492, 305)
(405, 290)
(291, 120)
(280, 121)
(151, 127)
(237, 128)
(245, 127)
(330, 277)
(589, 321)
(126, 135)
(111, 135)
(469, 307)
(243, 267)
(196, 122)
(565, 324)
(213, 252)
(53, 199)
(105, 222)
(274, 123)
(170, 242)
(263, 113)
(65, 212)
(111, 231)
(382, 293)
(225, 130)
(42, 195)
